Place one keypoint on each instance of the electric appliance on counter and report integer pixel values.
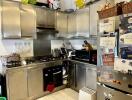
(86, 56)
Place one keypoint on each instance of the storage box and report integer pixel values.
(110, 12)
(107, 13)
(2, 98)
(87, 94)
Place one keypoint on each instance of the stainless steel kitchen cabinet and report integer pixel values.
(77, 76)
(51, 19)
(28, 21)
(82, 17)
(72, 75)
(41, 17)
(72, 25)
(17, 84)
(62, 22)
(80, 76)
(35, 82)
(45, 18)
(91, 77)
(10, 19)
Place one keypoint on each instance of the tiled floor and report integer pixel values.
(66, 94)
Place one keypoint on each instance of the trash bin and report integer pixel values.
(87, 94)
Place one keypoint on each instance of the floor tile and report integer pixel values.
(65, 94)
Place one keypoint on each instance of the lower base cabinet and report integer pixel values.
(82, 75)
(91, 78)
(17, 84)
(35, 82)
(24, 83)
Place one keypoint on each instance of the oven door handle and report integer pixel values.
(57, 72)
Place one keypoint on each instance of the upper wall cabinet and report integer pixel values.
(51, 18)
(45, 18)
(41, 17)
(10, 20)
(72, 24)
(82, 17)
(62, 22)
(17, 20)
(28, 21)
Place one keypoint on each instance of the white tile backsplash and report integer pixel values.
(23, 47)
(76, 44)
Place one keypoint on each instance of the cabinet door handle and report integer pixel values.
(57, 73)
(75, 76)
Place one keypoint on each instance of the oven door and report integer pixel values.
(106, 93)
(57, 76)
(3, 91)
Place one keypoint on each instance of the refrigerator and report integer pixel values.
(115, 58)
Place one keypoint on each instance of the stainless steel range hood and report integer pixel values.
(45, 18)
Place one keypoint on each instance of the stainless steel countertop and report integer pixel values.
(49, 64)
(39, 64)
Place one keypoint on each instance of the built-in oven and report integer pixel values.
(3, 90)
(52, 77)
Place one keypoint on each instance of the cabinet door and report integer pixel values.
(41, 17)
(80, 76)
(28, 21)
(11, 19)
(17, 84)
(61, 22)
(72, 23)
(35, 82)
(50, 19)
(72, 75)
(83, 21)
(91, 78)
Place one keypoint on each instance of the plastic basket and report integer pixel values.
(2, 98)
(107, 13)
(127, 8)
(110, 12)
